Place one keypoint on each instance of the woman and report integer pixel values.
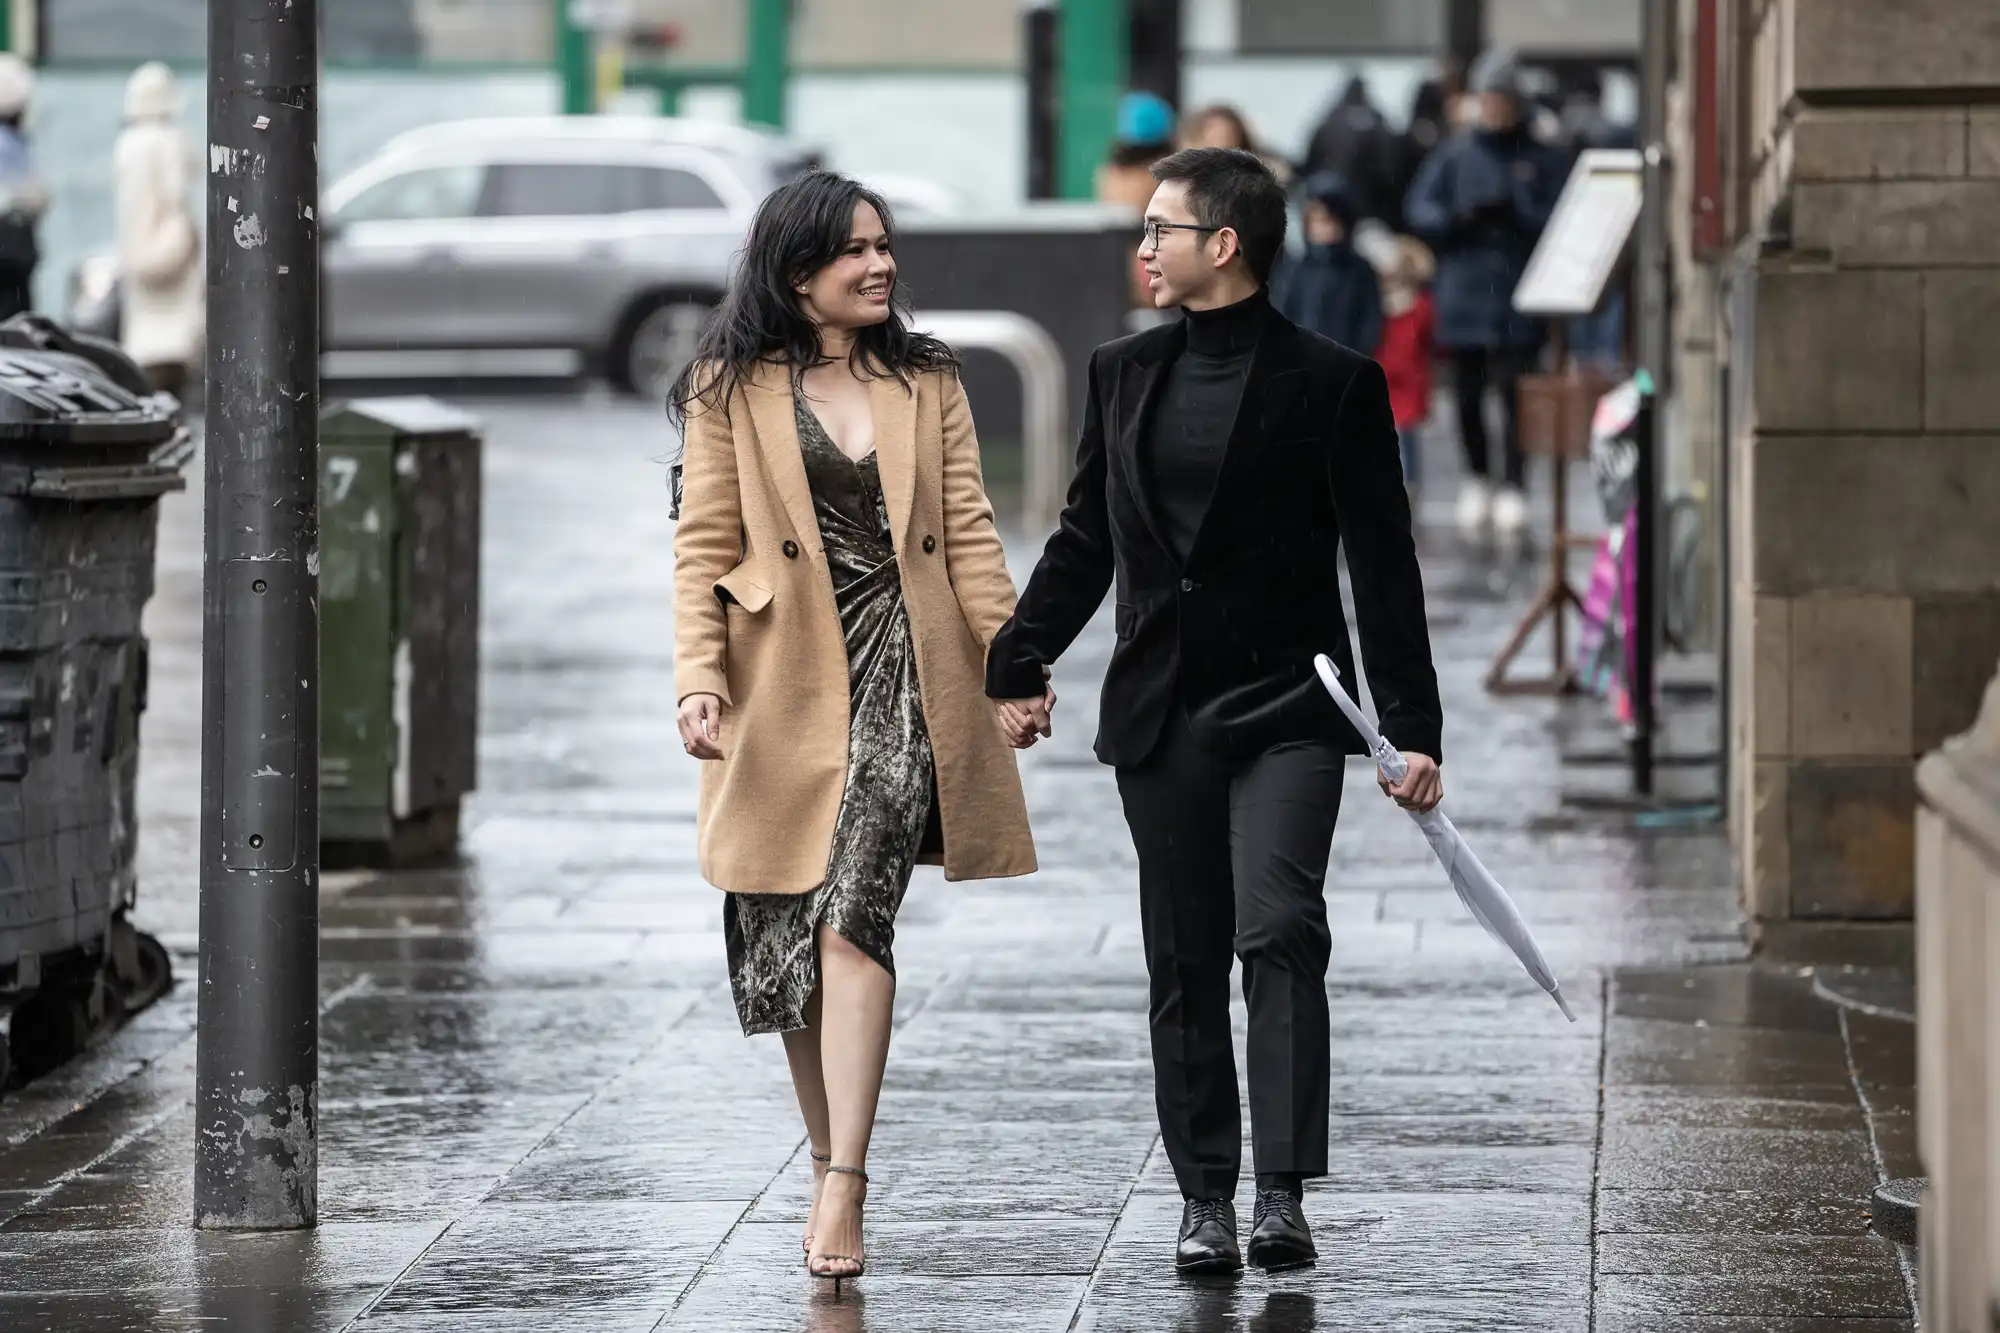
(1216, 126)
(23, 197)
(837, 579)
(159, 246)
(1223, 126)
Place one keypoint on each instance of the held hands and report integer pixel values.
(701, 726)
(1025, 721)
(1421, 788)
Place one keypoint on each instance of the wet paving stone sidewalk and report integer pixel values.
(537, 1112)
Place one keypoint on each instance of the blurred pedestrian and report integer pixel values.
(837, 580)
(1221, 125)
(1355, 142)
(162, 276)
(1481, 202)
(23, 197)
(1224, 457)
(1429, 122)
(1586, 124)
(1330, 289)
(1409, 347)
(1145, 135)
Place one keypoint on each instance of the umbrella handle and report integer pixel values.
(1387, 757)
(1390, 760)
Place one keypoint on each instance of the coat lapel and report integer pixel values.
(894, 407)
(768, 390)
(1271, 396)
(1142, 377)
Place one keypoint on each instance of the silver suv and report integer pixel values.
(540, 246)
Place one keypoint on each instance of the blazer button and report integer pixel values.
(791, 550)
(930, 545)
(1187, 585)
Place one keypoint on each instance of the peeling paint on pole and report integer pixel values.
(271, 1143)
(256, 1097)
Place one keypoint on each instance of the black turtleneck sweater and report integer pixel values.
(1197, 413)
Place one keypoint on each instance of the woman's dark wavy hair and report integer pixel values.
(800, 228)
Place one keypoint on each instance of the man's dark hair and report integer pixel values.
(1227, 187)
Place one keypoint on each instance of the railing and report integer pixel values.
(1028, 348)
(1958, 991)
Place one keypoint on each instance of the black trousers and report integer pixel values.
(1473, 368)
(1232, 863)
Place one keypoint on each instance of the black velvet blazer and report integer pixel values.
(1230, 634)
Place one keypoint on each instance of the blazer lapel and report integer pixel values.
(894, 407)
(1271, 396)
(1142, 378)
(768, 389)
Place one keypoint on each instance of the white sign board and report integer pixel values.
(1585, 236)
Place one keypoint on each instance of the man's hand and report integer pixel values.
(1025, 721)
(1421, 788)
(701, 726)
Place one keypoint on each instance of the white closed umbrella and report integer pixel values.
(1474, 883)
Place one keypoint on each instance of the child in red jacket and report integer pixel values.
(1408, 344)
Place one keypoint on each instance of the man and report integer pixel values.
(1355, 142)
(1224, 457)
(1480, 202)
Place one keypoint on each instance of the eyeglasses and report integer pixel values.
(1154, 230)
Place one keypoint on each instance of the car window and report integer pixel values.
(670, 187)
(428, 192)
(591, 189)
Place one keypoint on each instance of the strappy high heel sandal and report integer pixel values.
(860, 1264)
(824, 1158)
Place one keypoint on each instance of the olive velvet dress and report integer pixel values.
(884, 808)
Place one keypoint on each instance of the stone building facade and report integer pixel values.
(1854, 306)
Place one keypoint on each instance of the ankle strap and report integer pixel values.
(851, 1171)
(819, 1156)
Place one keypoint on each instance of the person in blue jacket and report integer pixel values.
(1481, 201)
(1331, 289)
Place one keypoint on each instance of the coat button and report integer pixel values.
(1187, 585)
(930, 545)
(791, 550)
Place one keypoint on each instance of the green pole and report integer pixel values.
(573, 62)
(765, 69)
(1091, 71)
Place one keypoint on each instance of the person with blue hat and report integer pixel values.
(1145, 135)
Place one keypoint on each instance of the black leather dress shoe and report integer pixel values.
(1281, 1239)
(1208, 1238)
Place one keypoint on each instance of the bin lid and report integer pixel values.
(413, 415)
(51, 397)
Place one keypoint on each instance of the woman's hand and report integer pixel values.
(701, 726)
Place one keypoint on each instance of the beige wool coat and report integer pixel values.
(164, 281)
(755, 624)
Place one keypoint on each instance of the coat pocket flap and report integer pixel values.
(738, 587)
(1125, 620)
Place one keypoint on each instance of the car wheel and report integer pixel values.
(661, 344)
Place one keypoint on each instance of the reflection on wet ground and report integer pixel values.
(536, 1110)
